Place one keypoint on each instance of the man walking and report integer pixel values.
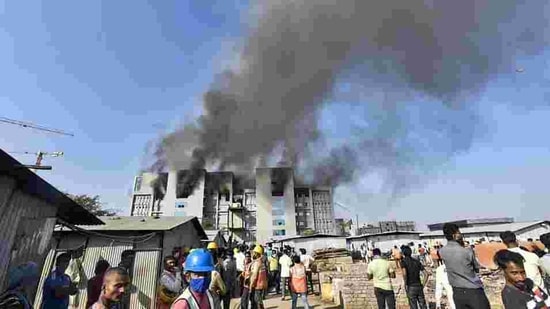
(412, 270)
(380, 271)
(462, 268)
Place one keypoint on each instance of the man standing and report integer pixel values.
(285, 263)
(519, 291)
(462, 268)
(531, 263)
(274, 272)
(245, 295)
(58, 285)
(258, 279)
(229, 276)
(115, 283)
(170, 284)
(307, 260)
(544, 261)
(298, 283)
(412, 270)
(198, 266)
(396, 255)
(239, 261)
(127, 258)
(380, 271)
(442, 285)
(96, 282)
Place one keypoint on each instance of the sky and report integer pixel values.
(119, 74)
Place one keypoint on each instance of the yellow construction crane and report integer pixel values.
(39, 156)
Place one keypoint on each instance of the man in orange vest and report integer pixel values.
(298, 282)
(258, 279)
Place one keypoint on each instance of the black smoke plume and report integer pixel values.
(300, 54)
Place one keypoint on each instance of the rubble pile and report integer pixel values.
(332, 259)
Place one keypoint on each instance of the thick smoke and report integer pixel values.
(299, 56)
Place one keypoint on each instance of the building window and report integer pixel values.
(137, 185)
(279, 233)
(278, 222)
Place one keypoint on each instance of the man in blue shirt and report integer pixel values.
(58, 286)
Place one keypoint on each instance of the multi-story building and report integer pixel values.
(280, 207)
(387, 226)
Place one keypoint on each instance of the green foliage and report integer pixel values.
(308, 232)
(93, 204)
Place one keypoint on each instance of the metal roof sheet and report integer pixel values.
(492, 228)
(32, 184)
(385, 233)
(134, 223)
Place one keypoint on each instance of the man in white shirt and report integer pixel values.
(239, 261)
(285, 263)
(531, 263)
(307, 260)
(442, 284)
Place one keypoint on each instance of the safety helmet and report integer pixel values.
(199, 261)
(186, 249)
(212, 246)
(258, 249)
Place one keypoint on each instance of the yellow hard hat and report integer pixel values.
(258, 249)
(212, 245)
(186, 249)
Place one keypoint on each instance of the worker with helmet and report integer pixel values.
(258, 278)
(198, 267)
(217, 286)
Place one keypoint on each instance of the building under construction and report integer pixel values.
(221, 202)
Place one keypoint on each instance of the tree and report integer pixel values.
(92, 204)
(308, 232)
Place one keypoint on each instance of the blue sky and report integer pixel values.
(117, 75)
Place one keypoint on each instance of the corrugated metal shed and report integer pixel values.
(33, 185)
(97, 249)
(383, 233)
(128, 223)
(493, 228)
(146, 268)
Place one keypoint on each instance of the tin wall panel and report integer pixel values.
(144, 282)
(46, 269)
(94, 253)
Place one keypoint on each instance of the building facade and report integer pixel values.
(387, 226)
(216, 198)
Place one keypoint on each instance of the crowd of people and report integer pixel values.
(208, 278)
(205, 278)
(526, 272)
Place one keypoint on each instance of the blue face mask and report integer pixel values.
(199, 285)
